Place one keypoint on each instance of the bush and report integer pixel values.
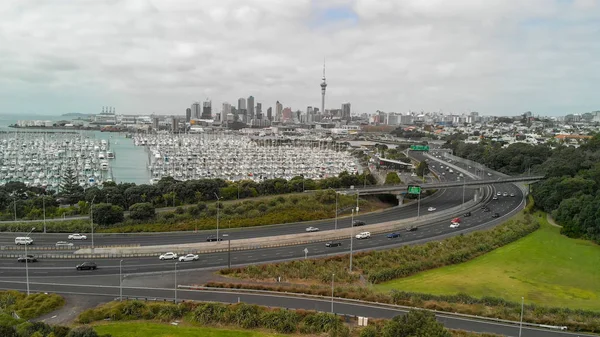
(107, 214)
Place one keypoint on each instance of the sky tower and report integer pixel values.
(323, 86)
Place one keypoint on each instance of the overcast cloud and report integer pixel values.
(498, 57)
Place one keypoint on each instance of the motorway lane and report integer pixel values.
(66, 267)
(444, 199)
(291, 302)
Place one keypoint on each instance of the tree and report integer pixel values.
(142, 211)
(69, 188)
(422, 168)
(392, 179)
(107, 214)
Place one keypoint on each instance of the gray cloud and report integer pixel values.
(494, 56)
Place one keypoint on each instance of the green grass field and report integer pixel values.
(146, 329)
(545, 267)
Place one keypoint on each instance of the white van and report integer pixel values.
(363, 235)
(23, 240)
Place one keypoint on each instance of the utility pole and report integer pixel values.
(26, 260)
(332, 279)
(521, 324)
(92, 220)
(217, 216)
(351, 238)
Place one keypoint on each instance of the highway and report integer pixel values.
(60, 276)
(442, 200)
(111, 291)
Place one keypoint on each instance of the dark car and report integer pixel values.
(333, 244)
(28, 258)
(486, 209)
(213, 238)
(495, 215)
(359, 223)
(467, 214)
(87, 266)
(412, 229)
(393, 235)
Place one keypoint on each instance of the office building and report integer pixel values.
(346, 111)
(241, 104)
(270, 114)
(206, 110)
(278, 111)
(259, 111)
(225, 109)
(250, 107)
(196, 110)
(188, 115)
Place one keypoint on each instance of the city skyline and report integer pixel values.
(499, 58)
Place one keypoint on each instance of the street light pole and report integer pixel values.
(15, 207)
(521, 324)
(419, 205)
(464, 186)
(27, 258)
(217, 216)
(332, 279)
(176, 282)
(44, 207)
(336, 209)
(351, 238)
(92, 220)
(120, 280)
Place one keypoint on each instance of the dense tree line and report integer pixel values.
(571, 188)
(29, 202)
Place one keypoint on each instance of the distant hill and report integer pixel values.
(75, 114)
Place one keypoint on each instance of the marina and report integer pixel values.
(42, 158)
(235, 157)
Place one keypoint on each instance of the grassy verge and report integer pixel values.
(276, 210)
(233, 214)
(144, 329)
(28, 307)
(380, 266)
(545, 267)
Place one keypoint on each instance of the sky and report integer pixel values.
(497, 57)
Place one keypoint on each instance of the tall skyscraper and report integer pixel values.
(323, 86)
(241, 103)
(207, 110)
(250, 107)
(278, 110)
(287, 115)
(196, 110)
(259, 111)
(270, 113)
(226, 109)
(346, 110)
(188, 115)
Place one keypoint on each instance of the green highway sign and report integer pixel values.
(413, 189)
(419, 147)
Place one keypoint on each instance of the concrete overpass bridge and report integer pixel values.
(395, 189)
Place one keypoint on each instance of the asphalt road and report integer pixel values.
(506, 206)
(102, 281)
(442, 200)
(291, 302)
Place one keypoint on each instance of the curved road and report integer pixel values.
(60, 276)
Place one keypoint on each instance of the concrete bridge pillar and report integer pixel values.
(478, 194)
(400, 198)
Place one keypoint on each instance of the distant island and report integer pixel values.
(75, 114)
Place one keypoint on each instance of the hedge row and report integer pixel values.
(493, 307)
(244, 315)
(381, 266)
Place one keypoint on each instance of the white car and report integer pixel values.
(431, 209)
(499, 193)
(188, 257)
(454, 225)
(77, 237)
(64, 244)
(363, 235)
(312, 229)
(168, 256)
